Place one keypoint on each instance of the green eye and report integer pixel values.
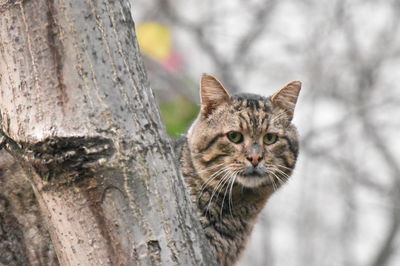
(235, 137)
(270, 138)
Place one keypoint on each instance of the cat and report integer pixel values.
(238, 151)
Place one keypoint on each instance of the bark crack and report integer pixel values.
(55, 45)
(68, 158)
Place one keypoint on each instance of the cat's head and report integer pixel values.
(245, 139)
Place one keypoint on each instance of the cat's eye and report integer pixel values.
(270, 138)
(235, 137)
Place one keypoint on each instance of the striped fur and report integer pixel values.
(227, 189)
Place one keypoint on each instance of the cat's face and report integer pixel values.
(244, 139)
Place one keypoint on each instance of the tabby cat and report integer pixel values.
(239, 150)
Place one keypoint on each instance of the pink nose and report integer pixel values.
(254, 158)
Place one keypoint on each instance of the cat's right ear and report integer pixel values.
(212, 94)
(286, 97)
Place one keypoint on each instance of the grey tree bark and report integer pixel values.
(78, 115)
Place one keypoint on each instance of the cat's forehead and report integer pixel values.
(251, 102)
(248, 113)
(245, 112)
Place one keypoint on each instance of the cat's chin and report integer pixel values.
(253, 181)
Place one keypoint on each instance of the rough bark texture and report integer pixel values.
(79, 117)
(24, 239)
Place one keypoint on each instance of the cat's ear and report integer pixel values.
(286, 97)
(212, 94)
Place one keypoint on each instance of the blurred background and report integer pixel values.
(342, 205)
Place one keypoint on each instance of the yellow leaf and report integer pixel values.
(154, 39)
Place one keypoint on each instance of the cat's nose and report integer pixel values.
(254, 154)
(254, 158)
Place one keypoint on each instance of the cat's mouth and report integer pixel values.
(253, 172)
(253, 177)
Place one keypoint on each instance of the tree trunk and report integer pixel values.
(79, 117)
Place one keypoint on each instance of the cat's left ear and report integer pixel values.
(212, 94)
(286, 97)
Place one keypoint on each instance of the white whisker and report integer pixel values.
(226, 190)
(285, 167)
(216, 189)
(284, 175)
(211, 178)
(277, 177)
(230, 192)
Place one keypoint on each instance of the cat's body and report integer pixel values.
(239, 150)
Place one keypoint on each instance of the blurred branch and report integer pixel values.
(225, 67)
(355, 174)
(383, 149)
(383, 254)
(260, 21)
(198, 30)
